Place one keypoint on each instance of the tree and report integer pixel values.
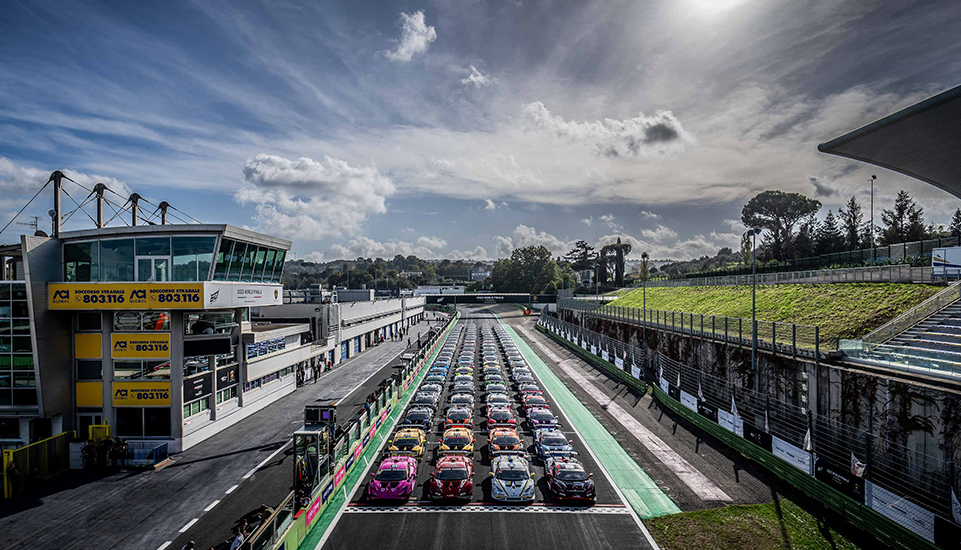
(645, 267)
(778, 212)
(829, 238)
(746, 247)
(904, 222)
(852, 222)
(581, 256)
(955, 226)
(805, 242)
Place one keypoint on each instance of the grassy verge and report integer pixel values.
(841, 310)
(771, 526)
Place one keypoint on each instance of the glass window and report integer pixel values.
(236, 261)
(127, 320)
(195, 365)
(21, 326)
(156, 320)
(269, 264)
(157, 370)
(25, 397)
(129, 421)
(208, 323)
(223, 259)
(19, 309)
(258, 273)
(89, 370)
(4, 291)
(249, 259)
(278, 267)
(116, 260)
(125, 370)
(81, 262)
(5, 325)
(5, 378)
(192, 257)
(5, 397)
(24, 380)
(89, 321)
(153, 246)
(21, 344)
(19, 291)
(22, 362)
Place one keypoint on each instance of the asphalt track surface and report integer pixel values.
(215, 482)
(484, 522)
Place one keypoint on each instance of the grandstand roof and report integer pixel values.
(922, 141)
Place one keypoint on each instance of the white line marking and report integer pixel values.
(164, 545)
(189, 525)
(211, 506)
(231, 490)
(702, 486)
(620, 495)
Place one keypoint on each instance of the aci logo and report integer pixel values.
(121, 393)
(61, 295)
(138, 295)
(121, 345)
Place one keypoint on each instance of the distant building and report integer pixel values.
(585, 276)
(479, 273)
(410, 274)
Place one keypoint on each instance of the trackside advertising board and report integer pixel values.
(154, 295)
(141, 394)
(140, 345)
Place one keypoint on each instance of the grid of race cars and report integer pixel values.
(480, 408)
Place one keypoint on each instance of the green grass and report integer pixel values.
(771, 526)
(840, 310)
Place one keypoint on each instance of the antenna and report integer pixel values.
(34, 224)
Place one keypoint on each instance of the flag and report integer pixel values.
(734, 407)
(700, 392)
(955, 507)
(807, 441)
(767, 424)
(678, 377)
(857, 467)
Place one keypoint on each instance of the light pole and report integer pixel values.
(753, 233)
(644, 276)
(873, 259)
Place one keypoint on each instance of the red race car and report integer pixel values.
(452, 478)
(534, 402)
(501, 417)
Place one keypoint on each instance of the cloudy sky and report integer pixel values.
(463, 128)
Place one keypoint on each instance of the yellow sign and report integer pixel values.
(87, 345)
(125, 295)
(141, 394)
(90, 394)
(140, 345)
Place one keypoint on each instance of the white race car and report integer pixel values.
(512, 479)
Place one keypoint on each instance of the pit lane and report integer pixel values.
(546, 523)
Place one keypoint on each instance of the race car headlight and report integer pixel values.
(529, 489)
(498, 488)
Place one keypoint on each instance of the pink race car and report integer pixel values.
(394, 480)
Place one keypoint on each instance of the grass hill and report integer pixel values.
(848, 310)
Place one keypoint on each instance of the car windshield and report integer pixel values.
(554, 441)
(571, 475)
(456, 440)
(505, 440)
(418, 415)
(406, 442)
(542, 415)
(392, 474)
(460, 399)
(500, 415)
(452, 474)
(536, 400)
(459, 415)
(512, 475)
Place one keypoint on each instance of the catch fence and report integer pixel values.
(901, 273)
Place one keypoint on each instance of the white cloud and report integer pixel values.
(369, 248)
(608, 218)
(736, 226)
(681, 249)
(431, 242)
(408, 230)
(477, 79)
(588, 221)
(492, 205)
(659, 234)
(524, 236)
(641, 136)
(479, 253)
(650, 215)
(310, 200)
(415, 37)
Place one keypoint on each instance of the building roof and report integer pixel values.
(922, 141)
(228, 231)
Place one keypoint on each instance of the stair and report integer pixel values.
(934, 342)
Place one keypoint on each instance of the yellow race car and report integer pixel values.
(457, 441)
(408, 441)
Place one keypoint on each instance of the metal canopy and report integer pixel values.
(922, 141)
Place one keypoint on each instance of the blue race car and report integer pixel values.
(551, 442)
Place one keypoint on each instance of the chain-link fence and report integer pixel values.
(621, 354)
(845, 457)
(784, 338)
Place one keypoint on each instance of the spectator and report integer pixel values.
(89, 454)
(124, 451)
(238, 539)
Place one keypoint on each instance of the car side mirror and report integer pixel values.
(532, 474)
(372, 474)
(590, 475)
(490, 474)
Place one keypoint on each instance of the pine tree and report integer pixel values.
(955, 227)
(829, 238)
(903, 223)
(852, 222)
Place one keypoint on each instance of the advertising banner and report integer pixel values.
(593, 349)
(350, 460)
(793, 455)
(96, 296)
(707, 411)
(635, 371)
(674, 392)
(140, 345)
(839, 477)
(198, 386)
(730, 422)
(688, 401)
(223, 295)
(619, 363)
(757, 436)
(227, 376)
(315, 506)
(900, 510)
(141, 394)
(665, 387)
(339, 475)
(605, 356)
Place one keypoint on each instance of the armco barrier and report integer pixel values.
(625, 377)
(857, 514)
(297, 530)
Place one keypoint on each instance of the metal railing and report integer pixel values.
(36, 462)
(621, 354)
(876, 274)
(784, 338)
(913, 316)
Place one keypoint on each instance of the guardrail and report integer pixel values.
(903, 273)
(783, 338)
(913, 316)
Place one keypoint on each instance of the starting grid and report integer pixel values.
(429, 507)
